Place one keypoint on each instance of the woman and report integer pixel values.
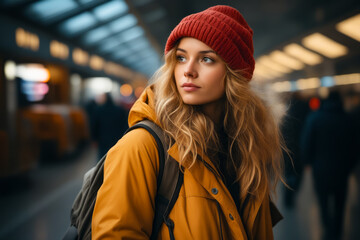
(220, 132)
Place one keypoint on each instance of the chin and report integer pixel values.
(192, 102)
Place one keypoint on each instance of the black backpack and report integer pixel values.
(169, 182)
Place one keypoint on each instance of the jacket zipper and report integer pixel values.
(208, 166)
(219, 214)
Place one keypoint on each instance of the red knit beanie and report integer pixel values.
(225, 30)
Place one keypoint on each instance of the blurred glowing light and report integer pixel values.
(286, 60)
(309, 83)
(96, 62)
(284, 86)
(10, 70)
(324, 92)
(126, 90)
(99, 85)
(314, 104)
(264, 72)
(302, 54)
(350, 27)
(327, 81)
(80, 57)
(27, 39)
(33, 72)
(34, 91)
(75, 80)
(269, 63)
(59, 50)
(118, 70)
(138, 91)
(324, 45)
(347, 79)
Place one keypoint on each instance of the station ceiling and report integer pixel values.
(134, 32)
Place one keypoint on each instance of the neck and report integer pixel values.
(215, 111)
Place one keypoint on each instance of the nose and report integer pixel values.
(190, 70)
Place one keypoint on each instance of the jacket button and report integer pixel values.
(231, 216)
(214, 191)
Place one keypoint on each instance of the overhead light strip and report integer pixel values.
(350, 27)
(303, 54)
(268, 62)
(286, 60)
(324, 45)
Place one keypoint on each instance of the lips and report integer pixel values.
(190, 87)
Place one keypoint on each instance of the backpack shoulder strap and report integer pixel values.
(159, 137)
(169, 180)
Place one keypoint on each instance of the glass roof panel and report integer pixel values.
(96, 35)
(123, 23)
(86, 1)
(131, 59)
(131, 34)
(139, 43)
(121, 53)
(110, 9)
(146, 58)
(109, 44)
(44, 10)
(77, 23)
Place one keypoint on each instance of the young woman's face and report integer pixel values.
(199, 73)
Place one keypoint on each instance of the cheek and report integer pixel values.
(177, 75)
(218, 82)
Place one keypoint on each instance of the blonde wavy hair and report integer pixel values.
(255, 145)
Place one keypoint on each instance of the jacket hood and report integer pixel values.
(143, 108)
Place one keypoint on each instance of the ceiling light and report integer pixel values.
(99, 85)
(46, 10)
(110, 9)
(302, 54)
(268, 62)
(284, 86)
(308, 83)
(264, 72)
(96, 62)
(123, 23)
(96, 35)
(347, 79)
(285, 60)
(350, 27)
(324, 45)
(77, 23)
(80, 56)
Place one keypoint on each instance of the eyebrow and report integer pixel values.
(203, 52)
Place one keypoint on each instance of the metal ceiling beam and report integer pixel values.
(20, 5)
(148, 34)
(77, 36)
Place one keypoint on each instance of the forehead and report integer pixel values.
(188, 43)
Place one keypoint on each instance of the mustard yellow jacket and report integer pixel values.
(125, 203)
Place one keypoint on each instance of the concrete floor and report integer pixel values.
(39, 207)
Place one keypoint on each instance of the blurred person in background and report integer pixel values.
(327, 146)
(354, 111)
(291, 129)
(223, 136)
(108, 123)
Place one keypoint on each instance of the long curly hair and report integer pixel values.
(254, 140)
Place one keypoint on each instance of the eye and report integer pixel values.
(207, 60)
(180, 58)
